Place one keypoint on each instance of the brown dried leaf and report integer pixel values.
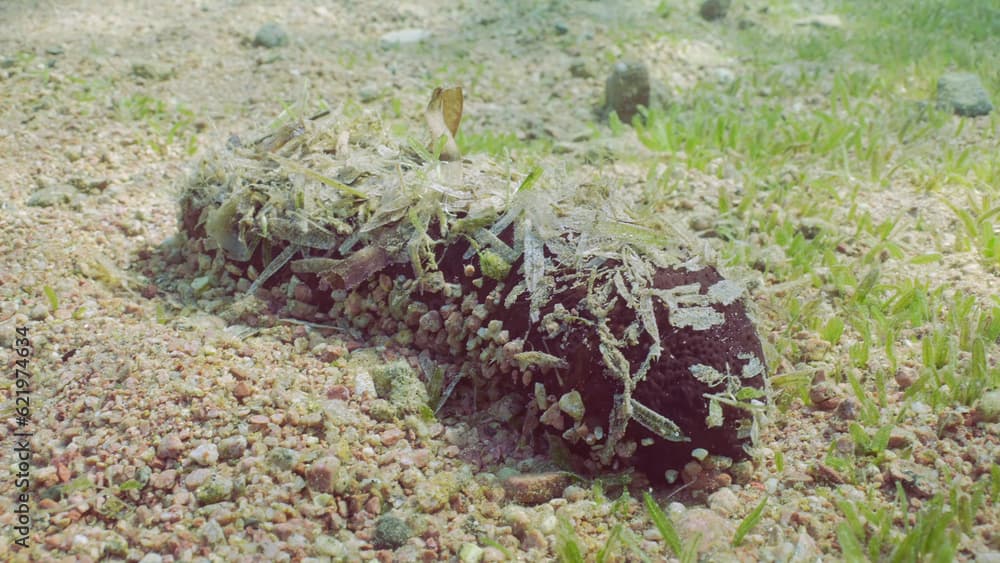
(444, 115)
(356, 268)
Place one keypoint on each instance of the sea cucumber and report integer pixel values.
(519, 285)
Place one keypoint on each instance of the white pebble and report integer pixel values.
(364, 385)
(771, 485)
(723, 501)
(205, 454)
(676, 509)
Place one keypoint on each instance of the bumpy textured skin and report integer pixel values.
(482, 328)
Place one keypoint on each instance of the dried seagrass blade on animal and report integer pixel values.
(444, 115)
(617, 338)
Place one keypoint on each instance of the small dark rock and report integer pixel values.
(232, 447)
(170, 447)
(905, 377)
(391, 532)
(578, 69)
(900, 438)
(712, 10)
(536, 488)
(949, 422)
(322, 474)
(964, 93)
(825, 474)
(626, 89)
(848, 409)
(270, 35)
(561, 28)
(822, 393)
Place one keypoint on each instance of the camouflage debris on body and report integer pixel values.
(503, 280)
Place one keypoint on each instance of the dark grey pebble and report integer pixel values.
(626, 89)
(964, 93)
(270, 35)
(712, 10)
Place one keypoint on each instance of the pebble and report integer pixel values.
(771, 486)
(534, 539)
(626, 89)
(241, 390)
(900, 438)
(164, 479)
(905, 377)
(918, 480)
(331, 547)
(152, 70)
(232, 447)
(714, 530)
(822, 21)
(987, 408)
(212, 532)
(470, 553)
(170, 447)
(402, 37)
(574, 493)
(823, 393)
(322, 474)
(742, 472)
(368, 93)
(723, 76)
(338, 392)
(215, 489)
(712, 10)
(197, 478)
(364, 385)
(579, 69)
(826, 474)
(282, 459)
(848, 409)
(553, 417)
(964, 93)
(270, 35)
(205, 454)
(391, 436)
(391, 532)
(51, 196)
(805, 549)
(724, 501)
(572, 404)
(949, 421)
(676, 509)
(536, 488)
(432, 495)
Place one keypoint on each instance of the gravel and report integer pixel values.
(197, 415)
